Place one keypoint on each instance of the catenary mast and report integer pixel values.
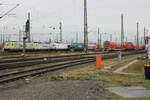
(85, 27)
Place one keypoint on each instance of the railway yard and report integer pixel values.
(74, 50)
(72, 74)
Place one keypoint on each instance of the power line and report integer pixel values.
(9, 11)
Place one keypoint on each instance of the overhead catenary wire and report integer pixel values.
(9, 11)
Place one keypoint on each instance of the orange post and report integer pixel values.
(98, 61)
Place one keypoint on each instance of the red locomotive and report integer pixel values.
(108, 45)
(1, 46)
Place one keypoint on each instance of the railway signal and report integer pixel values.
(28, 28)
(27, 34)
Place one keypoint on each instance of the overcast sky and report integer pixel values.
(101, 13)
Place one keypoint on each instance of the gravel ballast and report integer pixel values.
(62, 90)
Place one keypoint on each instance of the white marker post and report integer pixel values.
(120, 55)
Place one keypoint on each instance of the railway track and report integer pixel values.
(41, 52)
(24, 62)
(9, 77)
(38, 71)
(15, 65)
(18, 59)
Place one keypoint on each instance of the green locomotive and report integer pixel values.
(76, 47)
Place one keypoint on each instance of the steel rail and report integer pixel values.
(27, 63)
(51, 57)
(19, 75)
(36, 62)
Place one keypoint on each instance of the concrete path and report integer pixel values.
(131, 92)
(120, 70)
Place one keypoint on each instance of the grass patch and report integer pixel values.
(136, 67)
(110, 79)
(125, 61)
(55, 78)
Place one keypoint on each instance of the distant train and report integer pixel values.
(40, 46)
(76, 47)
(108, 45)
(34, 46)
(80, 47)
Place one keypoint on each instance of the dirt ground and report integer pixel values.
(62, 90)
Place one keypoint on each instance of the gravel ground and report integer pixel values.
(63, 90)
